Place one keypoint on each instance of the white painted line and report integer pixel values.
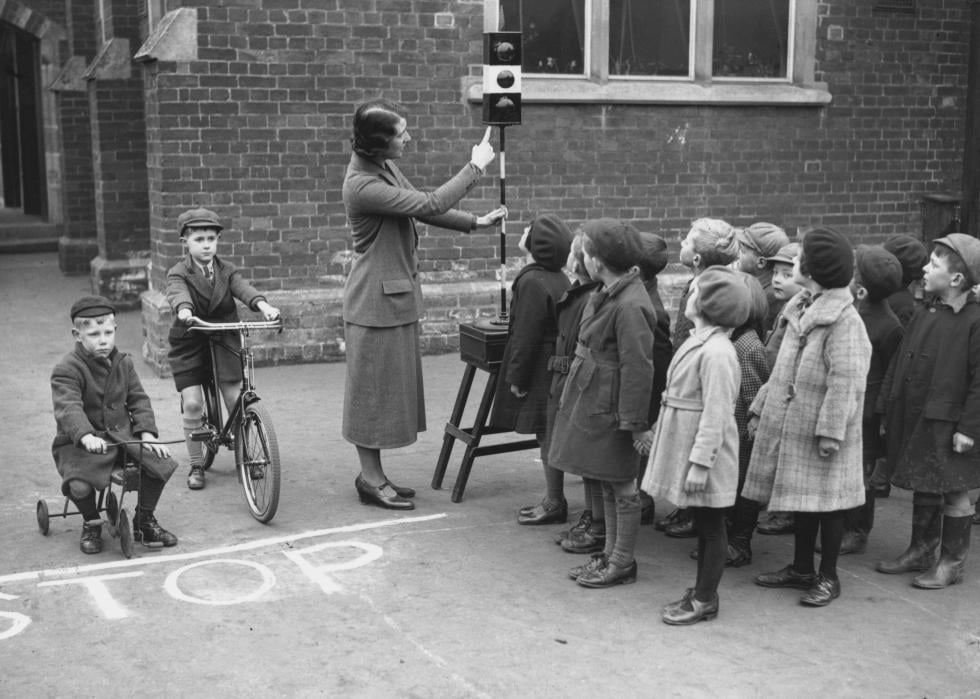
(247, 546)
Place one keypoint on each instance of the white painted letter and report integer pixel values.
(318, 573)
(99, 592)
(173, 589)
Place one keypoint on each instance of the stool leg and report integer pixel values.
(481, 422)
(454, 420)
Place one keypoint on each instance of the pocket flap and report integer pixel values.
(942, 410)
(397, 286)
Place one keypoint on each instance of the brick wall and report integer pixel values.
(258, 129)
(79, 189)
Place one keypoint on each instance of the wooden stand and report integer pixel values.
(481, 346)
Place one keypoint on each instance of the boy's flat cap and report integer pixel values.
(968, 248)
(91, 307)
(786, 254)
(765, 238)
(198, 218)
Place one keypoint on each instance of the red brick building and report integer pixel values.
(841, 113)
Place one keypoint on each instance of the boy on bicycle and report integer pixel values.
(204, 286)
(99, 400)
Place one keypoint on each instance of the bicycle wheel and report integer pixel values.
(257, 460)
(210, 446)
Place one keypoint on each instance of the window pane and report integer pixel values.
(649, 37)
(554, 33)
(751, 38)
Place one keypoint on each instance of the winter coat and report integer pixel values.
(682, 324)
(187, 287)
(530, 344)
(816, 390)
(92, 396)
(931, 391)
(885, 333)
(774, 337)
(697, 423)
(607, 394)
(663, 350)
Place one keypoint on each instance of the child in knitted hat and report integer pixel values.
(602, 412)
(709, 242)
(807, 454)
(877, 275)
(694, 457)
(931, 403)
(521, 398)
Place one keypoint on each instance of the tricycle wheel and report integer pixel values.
(125, 534)
(43, 522)
(112, 509)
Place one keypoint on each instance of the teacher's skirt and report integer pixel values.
(384, 402)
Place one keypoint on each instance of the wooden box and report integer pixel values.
(481, 343)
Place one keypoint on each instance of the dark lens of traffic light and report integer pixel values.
(505, 52)
(505, 78)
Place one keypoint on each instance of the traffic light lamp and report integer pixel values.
(502, 78)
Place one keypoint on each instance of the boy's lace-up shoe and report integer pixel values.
(598, 561)
(787, 577)
(147, 530)
(611, 575)
(91, 537)
(195, 479)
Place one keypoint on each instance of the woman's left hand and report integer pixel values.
(697, 479)
(491, 219)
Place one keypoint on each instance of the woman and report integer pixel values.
(384, 406)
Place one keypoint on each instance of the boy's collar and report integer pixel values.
(957, 303)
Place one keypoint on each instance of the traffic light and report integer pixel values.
(502, 78)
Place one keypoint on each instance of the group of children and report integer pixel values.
(100, 404)
(803, 377)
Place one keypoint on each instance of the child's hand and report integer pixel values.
(752, 426)
(93, 444)
(269, 312)
(642, 441)
(697, 479)
(961, 443)
(826, 447)
(881, 429)
(517, 391)
(184, 315)
(150, 442)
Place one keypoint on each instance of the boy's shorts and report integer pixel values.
(190, 360)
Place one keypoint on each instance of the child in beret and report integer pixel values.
(913, 256)
(602, 412)
(521, 398)
(931, 404)
(694, 456)
(807, 456)
(709, 242)
(99, 400)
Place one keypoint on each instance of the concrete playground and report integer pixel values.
(450, 600)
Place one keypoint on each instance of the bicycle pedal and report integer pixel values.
(201, 435)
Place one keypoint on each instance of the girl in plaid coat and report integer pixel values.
(807, 456)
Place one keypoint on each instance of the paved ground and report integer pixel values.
(451, 600)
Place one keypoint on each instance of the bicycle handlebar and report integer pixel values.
(134, 442)
(205, 326)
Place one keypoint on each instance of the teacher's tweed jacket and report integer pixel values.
(816, 390)
(383, 288)
(697, 422)
(92, 396)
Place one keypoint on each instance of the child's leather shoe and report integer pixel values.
(91, 537)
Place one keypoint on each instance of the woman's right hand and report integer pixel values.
(482, 154)
(492, 218)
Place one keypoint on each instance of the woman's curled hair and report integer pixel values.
(375, 124)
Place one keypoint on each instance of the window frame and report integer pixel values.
(595, 84)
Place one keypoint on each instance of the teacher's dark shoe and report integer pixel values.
(544, 513)
(402, 491)
(381, 496)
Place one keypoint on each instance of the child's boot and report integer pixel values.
(948, 570)
(91, 537)
(857, 525)
(744, 517)
(147, 530)
(927, 522)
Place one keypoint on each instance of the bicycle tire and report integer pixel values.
(257, 461)
(210, 446)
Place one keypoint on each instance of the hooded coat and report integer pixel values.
(533, 329)
(816, 390)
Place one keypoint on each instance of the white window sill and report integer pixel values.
(556, 90)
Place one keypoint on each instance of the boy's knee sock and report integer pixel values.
(86, 506)
(610, 517)
(150, 491)
(628, 512)
(195, 450)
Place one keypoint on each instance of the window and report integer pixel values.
(679, 51)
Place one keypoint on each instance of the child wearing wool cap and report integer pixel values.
(521, 399)
(709, 242)
(931, 403)
(807, 456)
(756, 244)
(694, 457)
(912, 255)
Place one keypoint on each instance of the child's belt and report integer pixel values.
(682, 403)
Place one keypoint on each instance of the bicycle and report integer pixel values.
(248, 431)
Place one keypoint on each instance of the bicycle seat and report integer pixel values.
(126, 476)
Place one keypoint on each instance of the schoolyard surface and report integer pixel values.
(450, 600)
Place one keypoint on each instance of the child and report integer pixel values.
(756, 244)
(931, 401)
(204, 286)
(912, 255)
(588, 535)
(99, 400)
(807, 453)
(710, 242)
(877, 275)
(783, 289)
(602, 413)
(521, 398)
(694, 457)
